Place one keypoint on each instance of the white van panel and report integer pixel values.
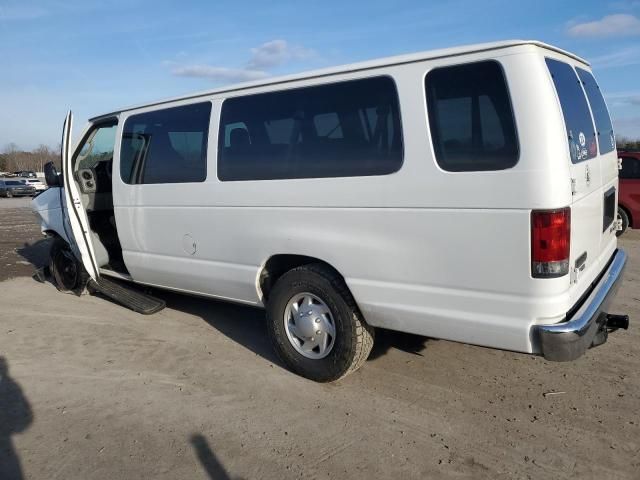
(442, 254)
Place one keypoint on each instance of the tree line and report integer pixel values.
(13, 159)
(623, 143)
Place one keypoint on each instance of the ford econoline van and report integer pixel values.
(467, 194)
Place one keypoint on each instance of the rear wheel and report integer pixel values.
(315, 325)
(622, 215)
(68, 273)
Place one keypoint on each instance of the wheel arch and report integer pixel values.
(279, 264)
(627, 210)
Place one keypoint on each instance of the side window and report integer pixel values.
(577, 119)
(336, 130)
(606, 138)
(470, 117)
(98, 147)
(630, 168)
(166, 146)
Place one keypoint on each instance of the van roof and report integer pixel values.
(354, 67)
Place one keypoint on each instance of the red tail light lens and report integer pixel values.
(550, 242)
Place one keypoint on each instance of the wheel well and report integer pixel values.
(278, 265)
(628, 212)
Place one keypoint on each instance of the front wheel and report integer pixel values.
(68, 273)
(315, 325)
(9, 194)
(622, 215)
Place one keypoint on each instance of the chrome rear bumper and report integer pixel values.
(568, 340)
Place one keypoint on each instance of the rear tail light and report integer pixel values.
(550, 242)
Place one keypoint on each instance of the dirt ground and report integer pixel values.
(91, 390)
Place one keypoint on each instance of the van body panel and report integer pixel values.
(423, 250)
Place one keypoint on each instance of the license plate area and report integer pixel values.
(609, 210)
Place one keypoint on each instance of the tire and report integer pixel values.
(68, 273)
(352, 341)
(9, 194)
(622, 215)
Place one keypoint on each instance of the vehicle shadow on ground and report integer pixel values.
(405, 342)
(246, 326)
(37, 254)
(15, 417)
(215, 470)
(242, 324)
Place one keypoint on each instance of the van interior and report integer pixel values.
(93, 168)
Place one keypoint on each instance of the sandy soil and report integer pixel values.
(95, 391)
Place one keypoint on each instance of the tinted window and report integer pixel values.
(338, 130)
(577, 119)
(630, 168)
(606, 138)
(166, 146)
(470, 117)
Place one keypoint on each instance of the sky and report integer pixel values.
(97, 56)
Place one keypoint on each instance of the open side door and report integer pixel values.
(77, 217)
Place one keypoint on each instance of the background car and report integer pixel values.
(15, 188)
(35, 183)
(26, 174)
(629, 195)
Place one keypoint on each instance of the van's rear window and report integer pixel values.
(470, 118)
(577, 119)
(606, 138)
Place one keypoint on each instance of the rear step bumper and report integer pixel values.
(588, 327)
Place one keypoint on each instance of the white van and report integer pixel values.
(467, 194)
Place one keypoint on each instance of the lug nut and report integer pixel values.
(318, 332)
(317, 320)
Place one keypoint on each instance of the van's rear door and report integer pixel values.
(76, 214)
(593, 167)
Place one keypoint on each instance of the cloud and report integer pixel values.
(619, 58)
(624, 98)
(621, 24)
(263, 58)
(276, 52)
(21, 12)
(219, 74)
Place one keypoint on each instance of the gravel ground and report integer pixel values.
(91, 390)
(21, 243)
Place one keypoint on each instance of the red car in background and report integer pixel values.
(629, 194)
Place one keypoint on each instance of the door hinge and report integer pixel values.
(574, 186)
(619, 164)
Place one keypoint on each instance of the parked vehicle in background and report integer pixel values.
(467, 194)
(16, 188)
(629, 196)
(37, 184)
(26, 174)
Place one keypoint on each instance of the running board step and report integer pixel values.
(127, 296)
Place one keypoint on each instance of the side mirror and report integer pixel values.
(51, 175)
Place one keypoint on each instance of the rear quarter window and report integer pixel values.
(470, 117)
(606, 137)
(575, 110)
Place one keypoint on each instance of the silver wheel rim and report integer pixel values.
(309, 325)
